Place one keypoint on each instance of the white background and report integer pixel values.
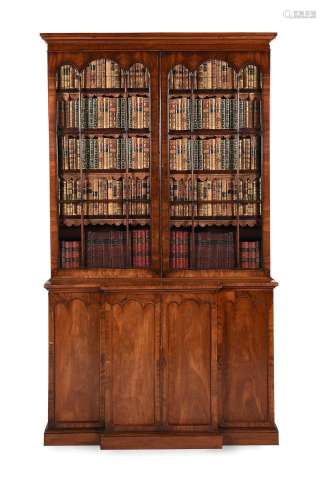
(294, 469)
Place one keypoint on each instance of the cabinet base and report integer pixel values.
(250, 436)
(160, 441)
(138, 441)
(71, 437)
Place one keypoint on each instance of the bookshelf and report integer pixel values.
(160, 290)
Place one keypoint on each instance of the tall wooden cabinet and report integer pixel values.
(160, 296)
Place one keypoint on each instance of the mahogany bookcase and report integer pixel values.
(160, 296)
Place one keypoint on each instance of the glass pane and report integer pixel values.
(250, 77)
(250, 167)
(104, 137)
(179, 78)
(214, 166)
(138, 76)
(69, 184)
(180, 167)
(215, 74)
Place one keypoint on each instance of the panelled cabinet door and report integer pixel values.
(246, 320)
(190, 348)
(130, 333)
(74, 347)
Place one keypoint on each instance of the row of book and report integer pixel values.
(250, 77)
(249, 149)
(211, 189)
(250, 254)
(215, 209)
(138, 112)
(67, 77)
(103, 112)
(179, 248)
(140, 209)
(70, 254)
(215, 74)
(106, 153)
(214, 113)
(103, 73)
(214, 249)
(213, 153)
(108, 248)
(104, 209)
(101, 188)
(215, 189)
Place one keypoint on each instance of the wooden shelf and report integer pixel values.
(187, 92)
(250, 91)
(105, 171)
(215, 172)
(215, 221)
(210, 92)
(104, 131)
(120, 200)
(70, 221)
(112, 90)
(214, 132)
(175, 202)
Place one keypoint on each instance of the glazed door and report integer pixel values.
(211, 164)
(191, 361)
(105, 172)
(130, 347)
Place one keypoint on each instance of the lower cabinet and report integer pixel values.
(160, 379)
(163, 363)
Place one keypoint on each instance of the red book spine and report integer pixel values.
(63, 254)
(175, 249)
(143, 247)
(140, 248)
(69, 254)
(179, 249)
(186, 249)
(251, 255)
(172, 248)
(148, 242)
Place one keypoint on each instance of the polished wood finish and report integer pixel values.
(132, 343)
(250, 436)
(246, 318)
(160, 441)
(154, 358)
(74, 360)
(190, 361)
